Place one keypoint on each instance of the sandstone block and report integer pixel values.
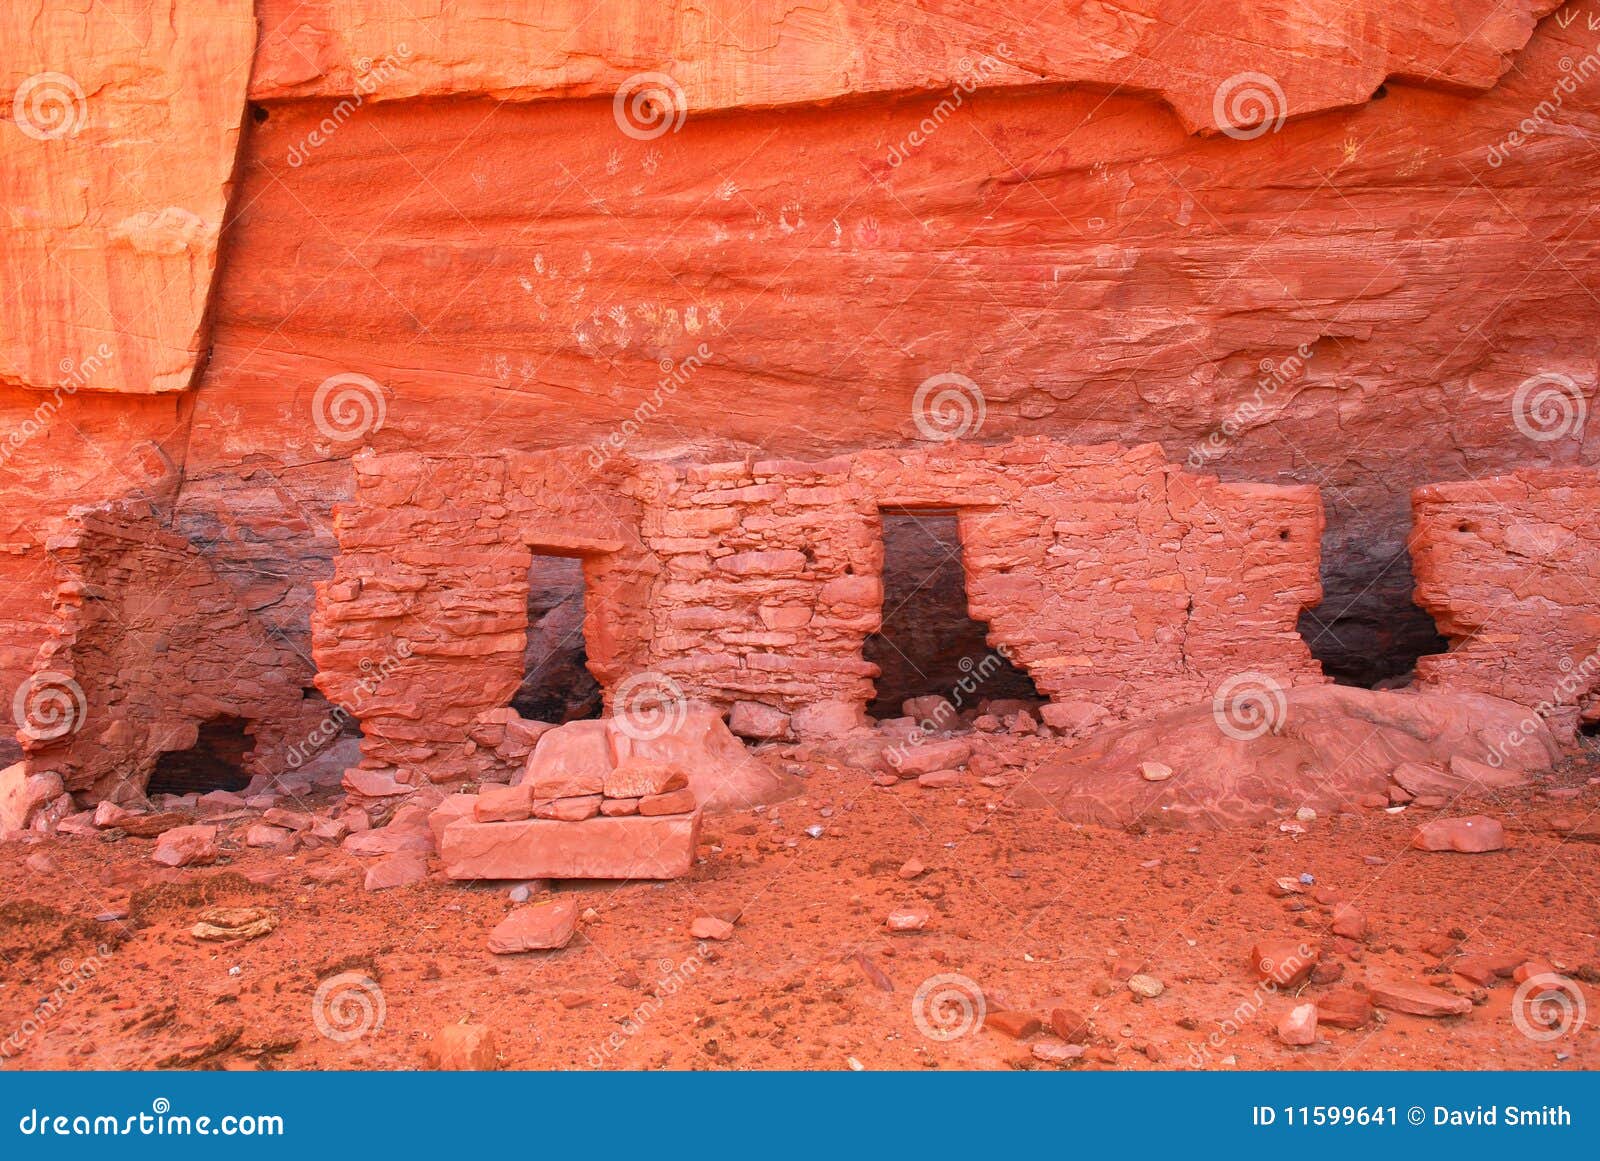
(639, 777)
(660, 847)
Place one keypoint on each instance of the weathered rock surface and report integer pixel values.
(1265, 752)
(115, 171)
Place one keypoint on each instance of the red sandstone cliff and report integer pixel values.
(1330, 253)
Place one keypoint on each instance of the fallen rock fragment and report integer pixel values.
(261, 835)
(910, 761)
(1344, 1008)
(225, 924)
(1349, 923)
(710, 927)
(1071, 1025)
(1299, 1026)
(462, 1048)
(1285, 962)
(397, 870)
(1052, 1053)
(1416, 999)
(911, 868)
(1145, 985)
(186, 846)
(907, 919)
(541, 926)
(1473, 835)
(1017, 1025)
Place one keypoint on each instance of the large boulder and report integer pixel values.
(23, 794)
(724, 776)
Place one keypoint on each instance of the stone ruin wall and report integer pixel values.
(761, 580)
(1509, 567)
(145, 644)
(423, 625)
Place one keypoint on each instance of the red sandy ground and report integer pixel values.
(1029, 907)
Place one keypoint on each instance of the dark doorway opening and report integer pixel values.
(556, 683)
(929, 643)
(1367, 632)
(214, 762)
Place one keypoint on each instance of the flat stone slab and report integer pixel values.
(630, 847)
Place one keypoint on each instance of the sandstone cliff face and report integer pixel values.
(1331, 253)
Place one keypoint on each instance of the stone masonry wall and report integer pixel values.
(421, 629)
(1114, 577)
(1109, 574)
(1509, 566)
(145, 643)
